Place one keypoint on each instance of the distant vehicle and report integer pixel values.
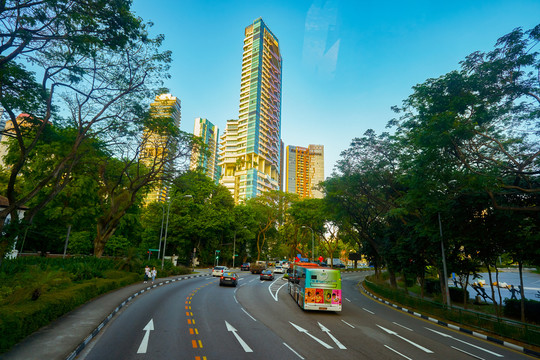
(267, 275)
(228, 278)
(336, 263)
(314, 287)
(219, 270)
(279, 269)
(257, 267)
(244, 267)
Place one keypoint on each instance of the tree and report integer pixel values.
(485, 116)
(203, 221)
(123, 181)
(97, 65)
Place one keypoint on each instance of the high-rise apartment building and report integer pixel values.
(208, 162)
(305, 170)
(155, 146)
(251, 146)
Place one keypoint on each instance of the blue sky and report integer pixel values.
(345, 63)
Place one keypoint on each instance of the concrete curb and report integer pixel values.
(454, 327)
(96, 331)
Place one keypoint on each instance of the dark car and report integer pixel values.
(228, 278)
(244, 266)
(267, 275)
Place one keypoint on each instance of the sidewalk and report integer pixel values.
(66, 337)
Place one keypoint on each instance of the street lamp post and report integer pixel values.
(444, 264)
(166, 228)
(161, 231)
(312, 242)
(234, 249)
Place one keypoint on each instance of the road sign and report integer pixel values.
(153, 249)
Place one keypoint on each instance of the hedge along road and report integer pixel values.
(198, 319)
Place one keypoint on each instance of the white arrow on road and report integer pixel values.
(144, 343)
(311, 336)
(326, 330)
(478, 347)
(407, 340)
(242, 342)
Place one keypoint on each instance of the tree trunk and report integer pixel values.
(103, 235)
(522, 290)
(465, 297)
(443, 285)
(393, 281)
(498, 287)
(493, 292)
(422, 281)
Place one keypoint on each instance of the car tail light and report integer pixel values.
(221, 278)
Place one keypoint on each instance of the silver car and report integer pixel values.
(219, 270)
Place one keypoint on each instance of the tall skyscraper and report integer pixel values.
(251, 146)
(155, 146)
(209, 134)
(305, 170)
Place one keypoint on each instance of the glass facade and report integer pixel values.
(251, 146)
(209, 134)
(154, 145)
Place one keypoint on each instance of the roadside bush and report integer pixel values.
(19, 320)
(512, 309)
(432, 286)
(456, 294)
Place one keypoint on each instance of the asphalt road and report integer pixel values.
(198, 319)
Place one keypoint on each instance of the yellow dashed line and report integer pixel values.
(196, 331)
(200, 344)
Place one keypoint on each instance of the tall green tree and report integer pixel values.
(93, 65)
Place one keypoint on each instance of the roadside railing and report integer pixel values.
(507, 328)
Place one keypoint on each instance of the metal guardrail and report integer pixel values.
(507, 328)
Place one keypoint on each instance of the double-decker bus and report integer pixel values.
(314, 287)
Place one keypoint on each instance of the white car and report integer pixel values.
(219, 270)
(279, 269)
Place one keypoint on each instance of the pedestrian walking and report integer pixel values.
(146, 274)
(153, 273)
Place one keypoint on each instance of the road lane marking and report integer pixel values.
(397, 352)
(402, 326)
(277, 291)
(194, 343)
(311, 336)
(297, 354)
(468, 353)
(348, 323)
(405, 339)
(144, 343)
(371, 312)
(326, 330)
(248, 314)
(348, 300)
(475, 346)
(240, 340)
